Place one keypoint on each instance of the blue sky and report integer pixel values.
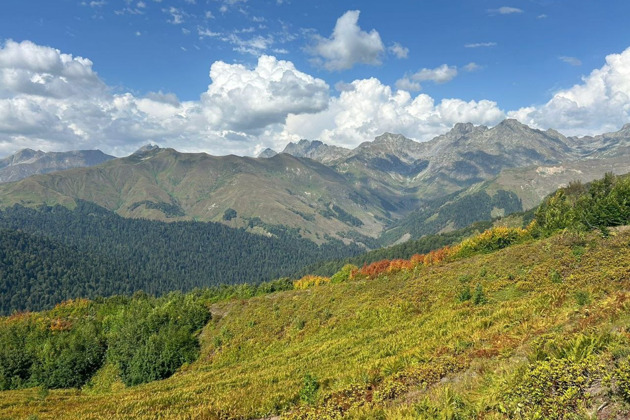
(342, 71)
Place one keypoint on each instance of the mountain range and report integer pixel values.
(381, 192)
(29, 162)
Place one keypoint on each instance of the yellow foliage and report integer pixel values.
(309, 281)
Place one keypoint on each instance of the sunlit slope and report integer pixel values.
(396, 345)
(163, 184)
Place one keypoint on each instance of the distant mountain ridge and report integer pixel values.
(27, 162)
(381, 192)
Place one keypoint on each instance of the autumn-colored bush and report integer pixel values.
(490, 240)
(374, 269)
(309, 281)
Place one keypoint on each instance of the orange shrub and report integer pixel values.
(375, 268)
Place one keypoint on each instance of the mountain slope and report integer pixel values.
(54, 254)
(392, 187)
(29, 162)
(163, 184)
(397, 345)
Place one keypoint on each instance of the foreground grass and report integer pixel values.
(404, 345)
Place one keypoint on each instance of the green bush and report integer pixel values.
(308, 393)
(464, 294)
(343, 274)
(479, 297)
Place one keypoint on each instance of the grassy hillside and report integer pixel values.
(398, 345)
(503, 325)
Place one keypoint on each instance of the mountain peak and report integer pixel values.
(147, 148)
(463, 128)
(513, 124)
(391, 138)
(267, 153)
(316, 150)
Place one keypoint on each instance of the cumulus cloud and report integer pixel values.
(600, 103)
(348, 45)
(398, 50)
(242, 99)
(441, 74)
(27, 68)
(370, 108)
(55, 101)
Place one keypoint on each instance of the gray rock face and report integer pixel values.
(464, 156)
(316, 150)
(267, 153)
(29, 162)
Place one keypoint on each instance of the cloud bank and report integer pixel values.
(51, 100)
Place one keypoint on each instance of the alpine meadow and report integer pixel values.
(284, 210)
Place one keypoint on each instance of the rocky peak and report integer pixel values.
(267, 153)
(463, 128)
(147, 148)
(22, 156)
(316, 150)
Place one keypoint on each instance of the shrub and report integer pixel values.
(309, 389)
(345, 274)
(465, 294)
(582, 298)
(309, 281)
(479, 297)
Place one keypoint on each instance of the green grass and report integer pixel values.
(397, 346)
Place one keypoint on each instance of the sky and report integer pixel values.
(238, 76)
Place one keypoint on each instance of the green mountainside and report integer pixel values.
(510, 323)
(53, 254)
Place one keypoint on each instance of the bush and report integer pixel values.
(309, 389)
(344, 274)
(465, 294)
(479, 297)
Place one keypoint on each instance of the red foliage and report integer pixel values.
(375, 268)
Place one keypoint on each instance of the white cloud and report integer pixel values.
(244, 100)
(398, 50)
(505, 10)
(600, 103)
(481, 45)
(27, 68)
(177, 15)
(370, 108)
(53, 101)
(407, 84)
(543, 16)
(472, 66)
(570, 60)
(348, 45)
(254, 46)
(206, 33)
(441, 74)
